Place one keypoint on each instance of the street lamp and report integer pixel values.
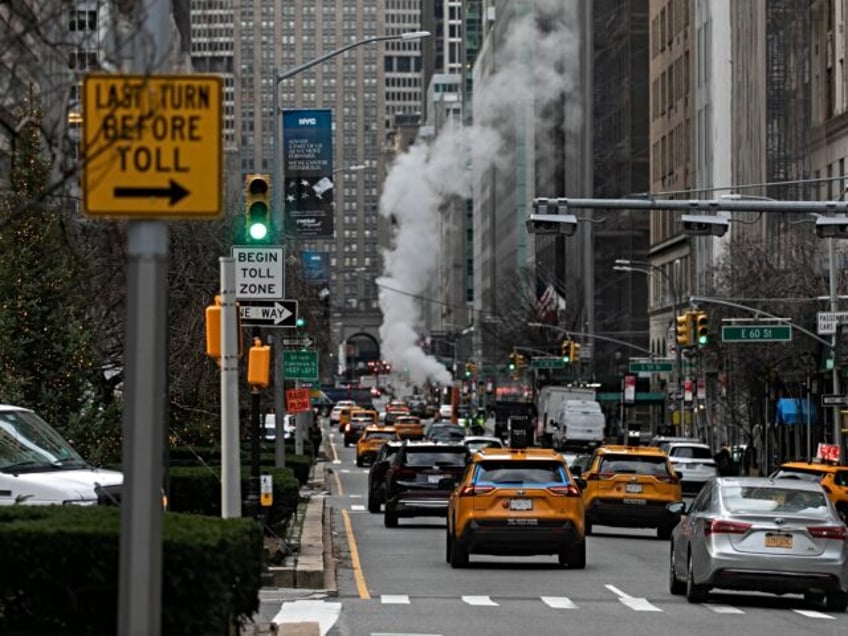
(627, 265)
(279, 77)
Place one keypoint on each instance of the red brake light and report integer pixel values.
(719, 526)
(565, 491)
(469, 490)
(840, 533)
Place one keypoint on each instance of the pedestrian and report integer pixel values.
(316, 436)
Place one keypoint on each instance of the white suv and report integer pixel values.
(334, 413)
(693, 462)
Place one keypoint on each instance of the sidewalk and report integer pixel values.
(311, 575)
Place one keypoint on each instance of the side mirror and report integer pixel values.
(676, 508)
(581, 483)
(577, 471)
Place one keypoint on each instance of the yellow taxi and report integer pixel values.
(631, 487)
(344, 416)
(516, 502)
(831, 477)
(359, 419)
(409, 427)
(369, 443)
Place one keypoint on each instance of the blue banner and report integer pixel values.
(308, 173)
(315, 266)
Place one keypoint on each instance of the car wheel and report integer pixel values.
(675, 585)
(574, 557)
(813, 597)
(458, 554)
(694, 593)
(448, 545)
(373, 503)
(587, 527)
(664, 532)
(390, 519)
(359, 462)
(836, 601)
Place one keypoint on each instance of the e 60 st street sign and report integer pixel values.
(756, 333)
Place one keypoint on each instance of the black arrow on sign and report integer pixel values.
(174, 192)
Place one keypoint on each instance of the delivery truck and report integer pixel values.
(549, 404)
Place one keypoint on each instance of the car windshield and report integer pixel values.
(520, 472)
(637, 464)
(690, 452)
(435, 458)
(758, 499)
(28, 441)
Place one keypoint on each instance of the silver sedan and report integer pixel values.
(759, 534)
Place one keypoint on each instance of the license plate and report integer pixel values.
(434, 479)
(638, 502)
(778, 540)
(521, 504)
(633, 488)
(522, 522)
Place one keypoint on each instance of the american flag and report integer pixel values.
(546, 303)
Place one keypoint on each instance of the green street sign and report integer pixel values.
(652, 366)
(756, 333)
(548, 363)
(300, 365)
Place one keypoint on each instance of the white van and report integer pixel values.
(38, 467)
(579, 424)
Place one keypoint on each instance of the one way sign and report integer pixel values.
(269, 313)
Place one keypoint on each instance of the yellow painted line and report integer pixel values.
(335, 452)
(358, 576)
(339, 489)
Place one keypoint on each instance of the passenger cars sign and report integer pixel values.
(152, 146)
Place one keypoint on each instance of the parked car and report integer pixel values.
(419, 480)
(516, 502)
(780, 536)
(39, 467)
(270, 426)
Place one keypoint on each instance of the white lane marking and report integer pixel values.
(357, 508)
(345, 470)
(355, 496)
(636, 604)
(479, 601)
(723, 609)
(814, 614)
(559, 602)
(323, 613)
(394, 599)
(337, 461)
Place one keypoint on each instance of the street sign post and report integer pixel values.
(829, 320)
(260, 272)
(269, 313)
(756, 333)
(152, 146)
(834, 400)
(300, 365)
(651, 366)
(547, 363)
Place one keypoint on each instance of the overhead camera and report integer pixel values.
(550, 217)
(832, 227)
(704, 225)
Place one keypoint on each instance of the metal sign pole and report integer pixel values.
(230, 451)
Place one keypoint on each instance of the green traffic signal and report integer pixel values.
(257, 207)
(300, 322)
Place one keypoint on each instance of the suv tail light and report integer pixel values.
(719, 526)
(469, 490)
(565, 491)
(840, 533)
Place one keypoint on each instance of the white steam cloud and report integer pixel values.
(533, 63)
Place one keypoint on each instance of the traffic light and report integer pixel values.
(300, 322)
(565, 350)
(574, 353)
(684, 330)
(702, 328)
(469, 369)
(259, 365)
(213, 329)
(520, 361)
(257, 192)
(513, 361)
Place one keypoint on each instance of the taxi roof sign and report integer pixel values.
(152, 146)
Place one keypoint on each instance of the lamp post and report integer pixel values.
(280, 76)
(627, 265)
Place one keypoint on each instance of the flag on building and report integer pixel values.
(548, 302)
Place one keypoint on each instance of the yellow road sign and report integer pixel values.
(152, 146)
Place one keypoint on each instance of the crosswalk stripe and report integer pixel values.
(357, 508)
(814, 614)
(723, 609)
(479, 601)
(559, 602)
(634, 603)
(394, 599)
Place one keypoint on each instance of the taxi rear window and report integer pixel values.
(520, 472)
(379, 435)
(634, 464)
(445, 457)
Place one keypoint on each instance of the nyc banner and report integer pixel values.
(308, 173)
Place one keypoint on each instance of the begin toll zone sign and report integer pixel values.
(152, 146)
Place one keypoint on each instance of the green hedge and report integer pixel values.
(60, 571)
(197, 490)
